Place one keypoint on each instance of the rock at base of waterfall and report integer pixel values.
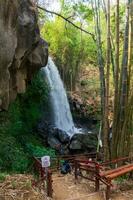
(61, 141)
(45, 130)
(75, 145)
(54, 143)
(63, 136)
(59, 134)
(83, 142)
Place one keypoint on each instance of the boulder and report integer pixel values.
(89, 141)
(63, 136)
(75, 144)
(60, 140)
(42, 129)
(45, 128)
(83, 142)
(64, 150)
(54, 143)
(56, 138)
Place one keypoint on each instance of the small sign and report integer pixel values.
(45, 161)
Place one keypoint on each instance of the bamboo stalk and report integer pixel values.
(106, 120)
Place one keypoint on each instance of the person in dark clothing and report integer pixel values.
(66, 168)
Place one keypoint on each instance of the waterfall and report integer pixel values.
(62, 117)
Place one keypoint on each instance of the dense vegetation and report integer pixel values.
(19, 141)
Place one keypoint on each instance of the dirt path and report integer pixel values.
(65, 189)
(19, 187)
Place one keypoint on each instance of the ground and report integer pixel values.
(19, 187)
(66, 189)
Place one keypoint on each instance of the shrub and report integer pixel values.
(40, 151)
(2, 177)
(12, 156)
(18, 140)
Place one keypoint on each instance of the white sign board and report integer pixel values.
(45, 161)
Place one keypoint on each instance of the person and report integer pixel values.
(65, 168)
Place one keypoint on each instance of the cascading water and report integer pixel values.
(61, 113)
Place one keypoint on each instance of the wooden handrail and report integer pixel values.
(111, 171)
(116, 160)
(120, 172)
(47, 178)
(71, 156)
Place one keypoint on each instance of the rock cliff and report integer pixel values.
(22, 51)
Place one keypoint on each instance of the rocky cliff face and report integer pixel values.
(22, 51)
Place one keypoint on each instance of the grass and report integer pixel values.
(2, 177)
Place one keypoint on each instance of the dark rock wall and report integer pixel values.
(22, 51)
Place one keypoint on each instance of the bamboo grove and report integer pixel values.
(121, 143)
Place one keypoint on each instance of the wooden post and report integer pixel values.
(58, 163)
(42, 172)
(49, 184)
(76, 169)
(131, 175)
(97, 185)
(108, 190)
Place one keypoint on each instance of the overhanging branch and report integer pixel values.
(67, 20)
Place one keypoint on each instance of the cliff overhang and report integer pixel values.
(22, 51)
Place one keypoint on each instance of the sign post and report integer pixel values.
(45, 164)
(45, 161)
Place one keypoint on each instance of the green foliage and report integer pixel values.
(70, 47)
(83, 11)
(26, 110)
(38, 90)
(28, 184)
(16, 130)
(121, 179)
(12, 156)
(2, 177)
(39, 151)
(14, 184)
(121, 20)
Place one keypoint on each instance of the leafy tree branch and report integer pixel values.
(67, 20)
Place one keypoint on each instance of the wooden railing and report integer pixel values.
(55, 166)
(100, 174)
(88, 166)
(122, 166)
(87, 162)
(71, 158)
(44, 176)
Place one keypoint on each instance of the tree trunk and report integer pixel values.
(96, 8)
(124, 71)
(116, 95)
(120, 118)
(112, 46)
(106, 120)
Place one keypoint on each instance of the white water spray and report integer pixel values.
(62, 117)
